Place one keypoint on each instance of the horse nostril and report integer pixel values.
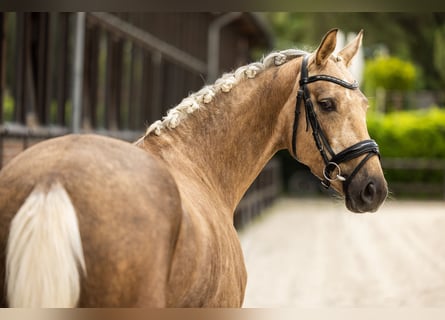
(369, 192)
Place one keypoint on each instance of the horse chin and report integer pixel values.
(353, 207)
(366, 196)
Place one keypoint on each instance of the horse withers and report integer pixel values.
(91, 221)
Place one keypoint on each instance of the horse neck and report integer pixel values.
(226, 143)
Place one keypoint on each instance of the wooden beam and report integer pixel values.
(146, 40)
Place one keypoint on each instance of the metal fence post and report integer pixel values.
(78, 71)
(214, 45)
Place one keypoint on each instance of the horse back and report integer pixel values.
(128, 210)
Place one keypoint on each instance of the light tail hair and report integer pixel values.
(44, 258)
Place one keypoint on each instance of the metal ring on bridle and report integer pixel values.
(337, 177)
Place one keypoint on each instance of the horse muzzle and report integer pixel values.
(366, 193)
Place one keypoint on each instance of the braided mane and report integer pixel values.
(224, 84)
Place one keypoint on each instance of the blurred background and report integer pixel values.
(115, 73)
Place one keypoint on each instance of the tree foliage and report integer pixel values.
(439, 52)
(408, 35)
(390, 73)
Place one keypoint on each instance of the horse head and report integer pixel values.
(330, 114)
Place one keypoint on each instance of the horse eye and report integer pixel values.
(327, 104)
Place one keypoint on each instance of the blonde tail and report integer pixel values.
(44, 251)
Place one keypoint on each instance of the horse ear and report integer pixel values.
(348, 52)
(327, 46)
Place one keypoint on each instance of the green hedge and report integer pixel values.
(410, 134)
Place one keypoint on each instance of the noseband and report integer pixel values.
(368, 147)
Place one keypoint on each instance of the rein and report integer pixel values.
(332, 164)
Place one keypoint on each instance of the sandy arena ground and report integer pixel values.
(315, 253)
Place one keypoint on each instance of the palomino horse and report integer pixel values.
(91, 221)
